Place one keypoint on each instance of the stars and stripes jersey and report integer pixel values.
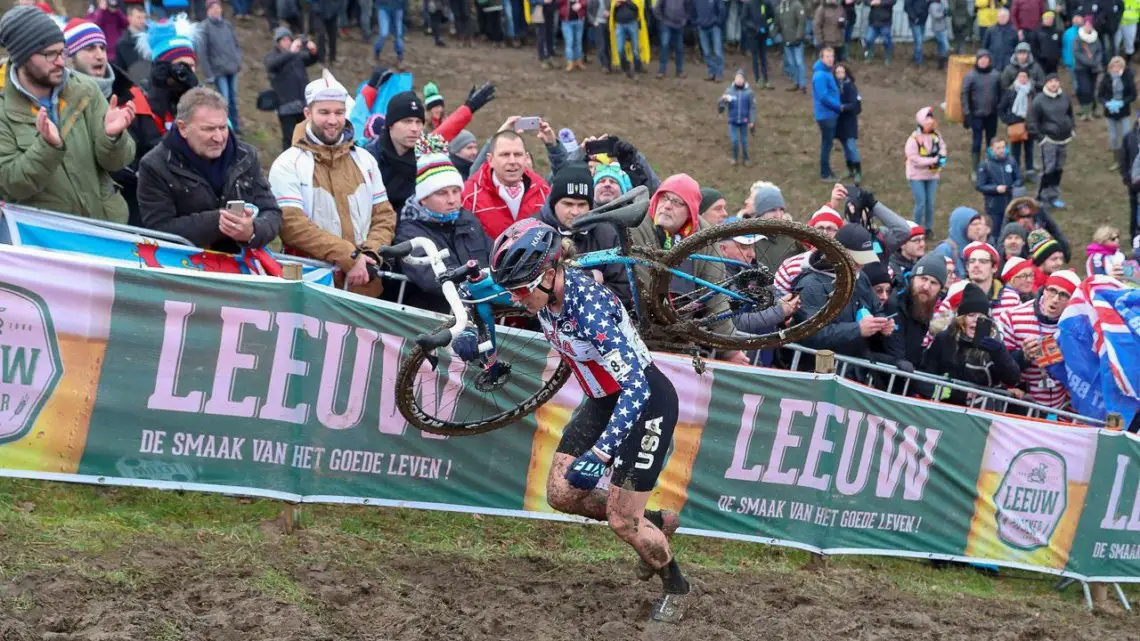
(790, 269)
(596, 339)
(1018, 325)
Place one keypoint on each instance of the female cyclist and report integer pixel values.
(626, 422)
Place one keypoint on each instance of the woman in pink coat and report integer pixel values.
(925, 158)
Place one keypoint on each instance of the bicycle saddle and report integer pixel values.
(626, 211)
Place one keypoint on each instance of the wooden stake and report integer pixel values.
(292, 517)
(291, 271)
(825, 362)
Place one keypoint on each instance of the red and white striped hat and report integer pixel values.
(826, 214)
(915, 229)
(954, 294)
(1065, 279)
(978, 245)
(1013, 267)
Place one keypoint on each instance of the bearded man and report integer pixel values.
(914, 308)
(332, 196)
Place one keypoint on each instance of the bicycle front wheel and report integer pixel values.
(457, 398)
(699, 312)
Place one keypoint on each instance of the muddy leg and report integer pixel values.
(588, 503)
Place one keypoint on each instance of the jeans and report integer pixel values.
(794, 64)
(982, 125)
(327, 31)
(1125, 40)
(509, 21)
(366, 9)
(675, 39)
(602, 46)
(918, 31)
(228, 87)
(924, 191)
(712, 47)
(572, 37)
(627, 33)
(943, 41)
(826, 140)
(738, 134)
(758, 46)
(391, 21)
(1016, 150)
(851, 151)
(546, 32)
(1086, 87)
(1117, 130)
(241, 8)
(873, 34)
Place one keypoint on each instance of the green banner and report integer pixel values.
(171, 379)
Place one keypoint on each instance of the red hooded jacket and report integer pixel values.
(688, 190)
(481, 197)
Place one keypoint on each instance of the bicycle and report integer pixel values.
(507, 384)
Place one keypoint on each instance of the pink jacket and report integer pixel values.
(921, 157)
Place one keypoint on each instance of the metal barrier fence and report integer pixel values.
(981, 397)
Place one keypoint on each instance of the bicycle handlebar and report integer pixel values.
(434, 258)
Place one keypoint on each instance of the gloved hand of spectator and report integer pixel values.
(478, 98)
(625, 152)
(466, 345)
(990, 344)
(586, 470)
(1113, 106)
(941, 162)
(906, 366)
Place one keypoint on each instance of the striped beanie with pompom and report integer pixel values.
(80, 34)
(1042, 245)
(434, 170)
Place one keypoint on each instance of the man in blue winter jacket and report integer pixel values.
(826, 105)
(708, 17)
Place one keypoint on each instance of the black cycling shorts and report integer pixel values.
(641, 456)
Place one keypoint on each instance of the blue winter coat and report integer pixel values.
(742, 108)
(1067, 40)
(709, 13)
(824, 92)
(852, 102)
(991, 173)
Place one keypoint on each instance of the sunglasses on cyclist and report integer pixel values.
(522, 291)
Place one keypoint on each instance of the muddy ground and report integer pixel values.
(165, 592)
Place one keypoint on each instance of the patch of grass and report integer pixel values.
(279, 586)
(165, 629)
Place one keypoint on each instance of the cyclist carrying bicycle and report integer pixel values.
(626, 422)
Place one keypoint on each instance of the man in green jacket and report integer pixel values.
(59, 138)
(673, 216)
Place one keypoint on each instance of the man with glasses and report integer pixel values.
(982, 264)
(1023, 329)
(673, 216)
(903, 259)
(59, 138)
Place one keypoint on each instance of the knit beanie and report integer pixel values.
(568, 140)
(1013, 267)
(767, 198)
(434, 170)
(877, 273)
(461, 140)
(80, 34)
(25, 30)
(915, 230)
(432, 96)
(974, 301)
(826, 214)
(1012, 229)
(168, 40)
(709, 196)
(933, 265)
(1041, 246)
(405, 104)
(977, 246)
(281, 32)
(614, 171)
(1065, 280)
(572, 181)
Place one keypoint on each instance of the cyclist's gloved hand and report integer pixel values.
(466, 345)
(586, 471)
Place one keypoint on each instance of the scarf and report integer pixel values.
(1021, 100)
(1087, 38)
(512, 195)
(1117, 86)
(213, 171)
(1051, 94)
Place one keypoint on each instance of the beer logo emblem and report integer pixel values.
(1031, 499)
(30, 364)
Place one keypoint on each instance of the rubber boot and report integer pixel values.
(858, 178)
(1116, 160)
(850, 171)
(976, 158)
(942, 64)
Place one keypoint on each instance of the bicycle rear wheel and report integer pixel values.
(461, 399)
(689, 308)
